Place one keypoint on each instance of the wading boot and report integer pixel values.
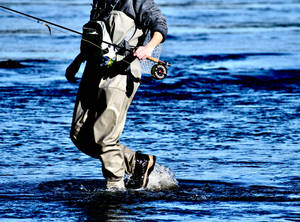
(144, 165)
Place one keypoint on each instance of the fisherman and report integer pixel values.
(106, 90)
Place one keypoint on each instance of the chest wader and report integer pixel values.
(103, 99)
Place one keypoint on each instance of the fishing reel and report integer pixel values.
(159, 71)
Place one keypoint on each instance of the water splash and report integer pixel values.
(162, 178)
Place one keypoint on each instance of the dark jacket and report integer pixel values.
(146, 15)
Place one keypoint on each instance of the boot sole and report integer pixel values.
(150, 168)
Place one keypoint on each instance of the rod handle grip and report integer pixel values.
(156, 60)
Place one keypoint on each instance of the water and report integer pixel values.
(225, 120)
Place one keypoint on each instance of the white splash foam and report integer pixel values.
(162, 178)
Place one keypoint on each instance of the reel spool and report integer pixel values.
(159, 71)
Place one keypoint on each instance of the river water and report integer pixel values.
(224, 124)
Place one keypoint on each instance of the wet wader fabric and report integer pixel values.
(102, 104)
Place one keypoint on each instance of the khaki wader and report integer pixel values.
(101, 108)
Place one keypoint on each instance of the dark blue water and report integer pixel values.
(225, 121)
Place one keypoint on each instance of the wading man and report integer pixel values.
(108, 85)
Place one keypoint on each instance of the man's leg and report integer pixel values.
(116, 158)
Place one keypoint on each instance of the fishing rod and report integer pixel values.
(40, 20)
(47, 23)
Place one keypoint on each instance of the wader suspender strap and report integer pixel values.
(131, 79)
(102, 9)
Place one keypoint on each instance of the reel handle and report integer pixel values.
(159, 71)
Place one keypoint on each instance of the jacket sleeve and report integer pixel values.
(149, 16)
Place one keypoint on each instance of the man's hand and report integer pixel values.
(74, 67)
(143, 52)
(71, 72)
